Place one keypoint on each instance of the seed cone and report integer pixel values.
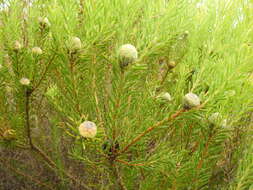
(37, 51)
(127, 54)
(191, 100)
(88, 129)
(24, 81)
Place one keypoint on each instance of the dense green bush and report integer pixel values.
(126, 94)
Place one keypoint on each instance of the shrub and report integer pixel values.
(129, 94)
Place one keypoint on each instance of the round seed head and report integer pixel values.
(127, 54)
(75, 44)
(172, 64)
(165, 96)
(88, 129)
(44, 22)
(36, 50)
(191, 100)
(24, 81)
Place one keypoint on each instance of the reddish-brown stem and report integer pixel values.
(136, 139)
(167, 119)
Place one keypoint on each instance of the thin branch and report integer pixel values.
(136, 139)
(37, 149)
(44, 73)
(167, 119)
(166, 74)
(27, 116)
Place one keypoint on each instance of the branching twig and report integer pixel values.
(37, 149)
(44, 73)
(166, 74)
(167, 119)
(136, 139)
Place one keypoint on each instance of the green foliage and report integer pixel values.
(142, 142)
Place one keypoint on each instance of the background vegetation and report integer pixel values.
(143, 142)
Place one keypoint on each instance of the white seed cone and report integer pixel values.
(191, 100)
(165, 96)
(75, 43)
(24, 81)
(88, 129)
(127, 54)
(37, 50)
(44, 21)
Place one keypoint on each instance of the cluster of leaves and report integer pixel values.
(143, 142)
